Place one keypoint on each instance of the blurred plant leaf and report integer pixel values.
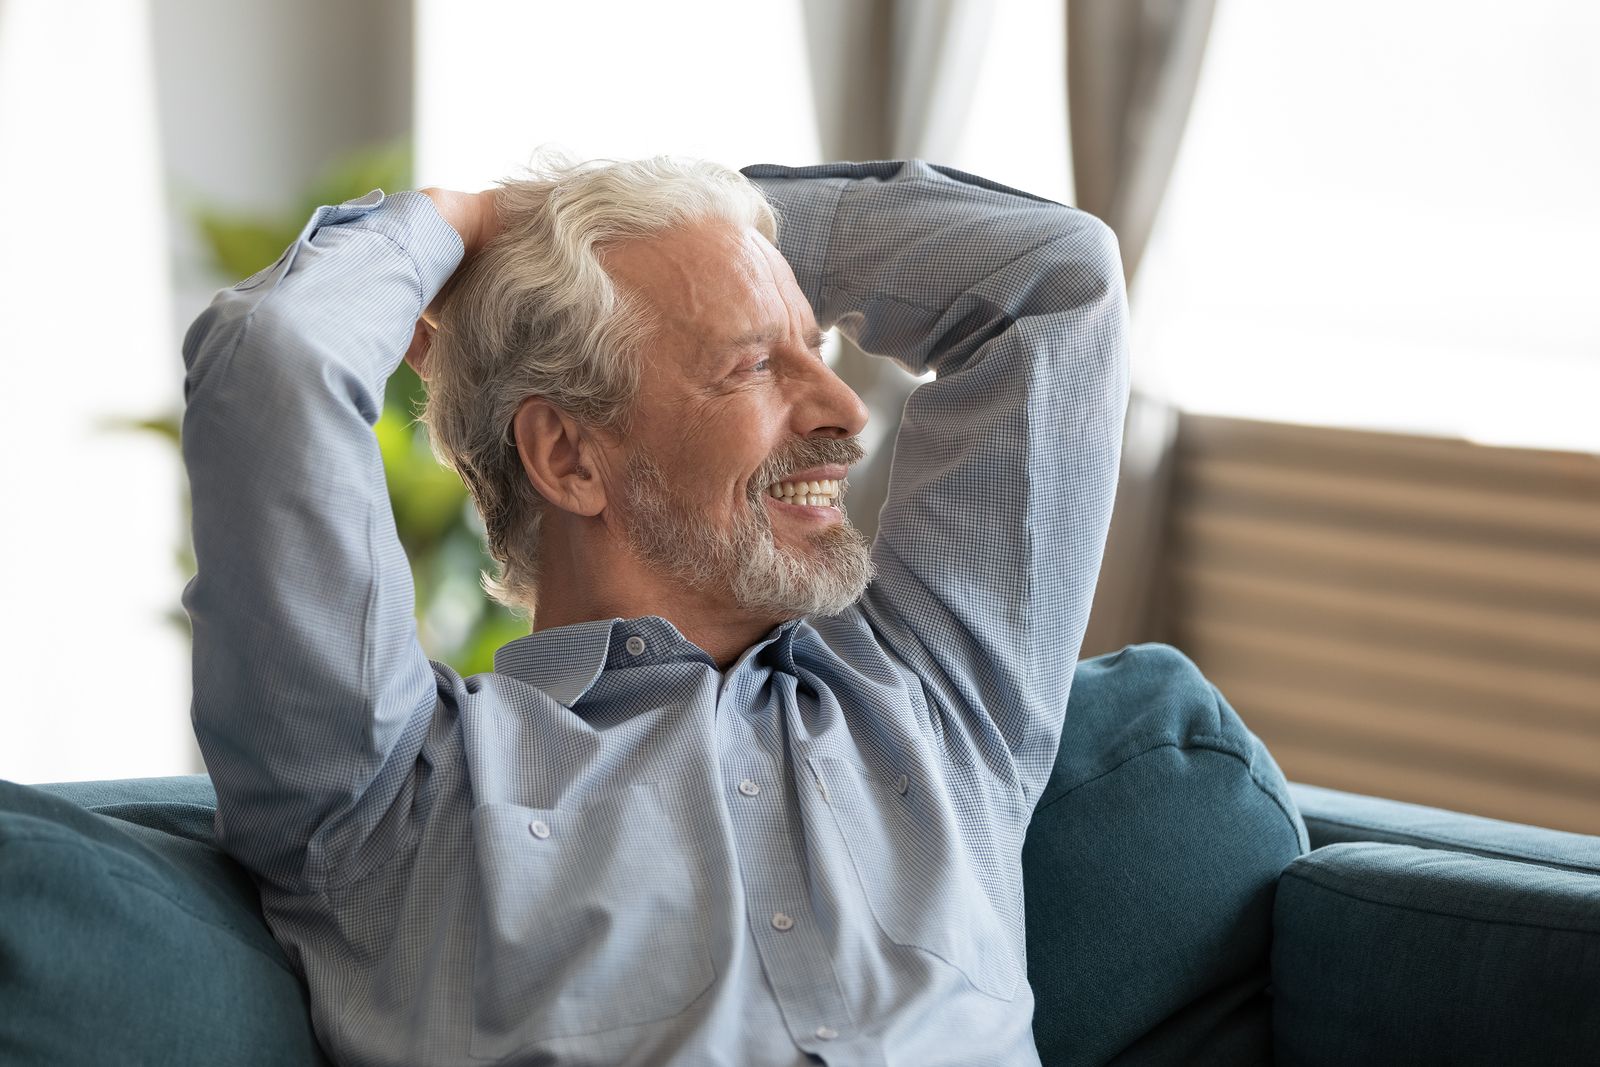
(240, 247)
(164, 426)
(386, 167)
(433, 514)
(478, 655)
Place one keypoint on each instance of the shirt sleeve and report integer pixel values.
(312, 695)
(1005, 465)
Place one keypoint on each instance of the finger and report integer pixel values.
(417, 353)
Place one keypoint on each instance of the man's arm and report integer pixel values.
(312, 696)
(1005, 466)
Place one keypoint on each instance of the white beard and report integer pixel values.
(672, 536)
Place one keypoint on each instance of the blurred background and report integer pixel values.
(1360, 486)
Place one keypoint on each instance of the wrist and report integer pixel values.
(464, 213)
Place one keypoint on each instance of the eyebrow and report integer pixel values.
(766, 335)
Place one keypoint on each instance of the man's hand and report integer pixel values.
(472, 214)
(476, 219)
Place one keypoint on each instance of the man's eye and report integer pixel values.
(760, 366)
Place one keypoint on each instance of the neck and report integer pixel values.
(588, 574)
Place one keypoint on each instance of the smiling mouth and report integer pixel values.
(805, 493)
(824, 512)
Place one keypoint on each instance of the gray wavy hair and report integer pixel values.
(534, 313)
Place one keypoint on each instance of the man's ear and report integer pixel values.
(558, 457)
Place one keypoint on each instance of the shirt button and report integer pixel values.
(749, 788)
(827, 1033)
(636, 644)
(539, 828)
(900, 784)
(780, 921)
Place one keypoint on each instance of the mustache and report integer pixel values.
(814, 452)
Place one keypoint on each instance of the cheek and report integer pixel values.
(716, 486)
(744, 452)
(720, 455)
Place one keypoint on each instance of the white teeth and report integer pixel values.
(807, 493)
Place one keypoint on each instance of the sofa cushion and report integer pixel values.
(1389, 954)
(136, 942)
(1333, 816)
(157, 796)
(1149, 870)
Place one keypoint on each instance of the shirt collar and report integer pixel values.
(782, 638)
(566, 661)
(563, 661)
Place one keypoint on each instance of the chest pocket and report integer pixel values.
(589, 920)
(917, 878)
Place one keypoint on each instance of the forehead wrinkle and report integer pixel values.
(695, 303)
(768, 334)
(678, 293)
(778, 273)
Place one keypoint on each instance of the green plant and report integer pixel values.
(443, 536)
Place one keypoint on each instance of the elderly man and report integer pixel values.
(751, 792)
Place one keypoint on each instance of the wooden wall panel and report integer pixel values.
(1411, 617)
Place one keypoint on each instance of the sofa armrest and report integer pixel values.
(127, 937)
(178, 789)
(1390, 954)
(1332, 817)
(181, 806)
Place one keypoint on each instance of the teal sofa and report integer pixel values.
(1185, 905)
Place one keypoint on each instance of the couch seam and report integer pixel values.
(1302, 837)
(1447, 839)
(1165, 742)
(1208, 743)
(1352, 895)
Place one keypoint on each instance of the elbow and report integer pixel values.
(1077, 269)
(1084, 284)
(1079, 290)
(1099, 259)
(1102, 293)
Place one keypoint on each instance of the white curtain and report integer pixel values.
(892, 80)
(1132, 68)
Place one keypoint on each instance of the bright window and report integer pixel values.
(99, 672)
(1384, 216)
(618, 80)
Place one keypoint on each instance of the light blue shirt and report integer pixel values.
(607, 851)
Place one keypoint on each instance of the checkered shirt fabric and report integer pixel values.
(606, 850)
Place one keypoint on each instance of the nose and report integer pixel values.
(829, 406)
